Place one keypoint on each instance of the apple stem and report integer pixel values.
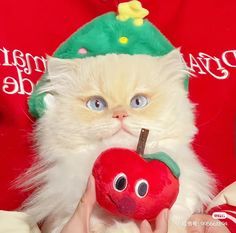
(142, 141)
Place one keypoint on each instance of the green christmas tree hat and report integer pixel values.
(124, 33)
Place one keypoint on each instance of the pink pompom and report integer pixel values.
(83, 51)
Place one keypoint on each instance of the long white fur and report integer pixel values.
(67, 148)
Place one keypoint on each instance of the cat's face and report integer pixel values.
(110, 98)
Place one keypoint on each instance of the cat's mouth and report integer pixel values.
(123, 129)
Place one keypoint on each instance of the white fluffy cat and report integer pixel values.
(83, 96)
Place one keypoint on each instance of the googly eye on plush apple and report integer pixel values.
(135, 185)
(120, 184)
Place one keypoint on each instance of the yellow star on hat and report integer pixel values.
(133, 10)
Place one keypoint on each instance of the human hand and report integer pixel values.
(203, 223)
(161, 224)
(79, 222)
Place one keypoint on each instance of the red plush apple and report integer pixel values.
(133, 186)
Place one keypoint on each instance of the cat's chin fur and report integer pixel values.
(65, 162)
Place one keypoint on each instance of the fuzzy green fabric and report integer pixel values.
(36, 101)
(100, 37)
(36, 104)
(166, 159)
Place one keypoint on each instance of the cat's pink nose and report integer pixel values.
(121, 114)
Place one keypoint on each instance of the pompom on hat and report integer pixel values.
(126, 32)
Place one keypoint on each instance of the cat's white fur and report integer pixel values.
(69, 139)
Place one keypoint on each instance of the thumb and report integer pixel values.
(79, 222)
(88, 200)
(145, 227)
(162, 221)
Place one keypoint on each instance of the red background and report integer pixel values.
(38, 27)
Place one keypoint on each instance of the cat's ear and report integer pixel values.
(57, 66)
(60, 74)
(173, 68)
(174, 59)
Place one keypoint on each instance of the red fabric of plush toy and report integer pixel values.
(138, 193)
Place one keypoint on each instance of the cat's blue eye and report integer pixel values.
(139, 101)
(96, 103)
